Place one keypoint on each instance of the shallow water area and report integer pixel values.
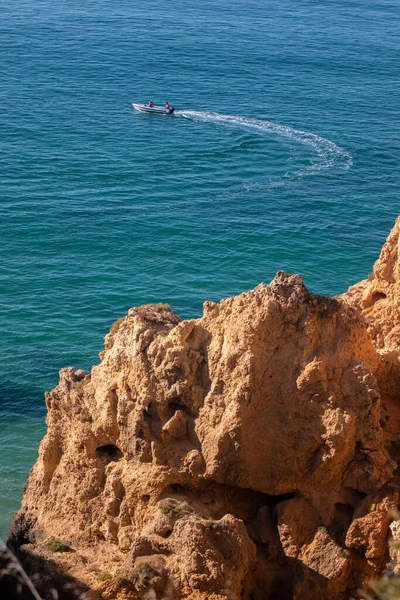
(283, 154)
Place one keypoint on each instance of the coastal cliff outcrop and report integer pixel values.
(241, 455)
(378, 297)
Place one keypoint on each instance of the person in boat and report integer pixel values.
(151, 104)
(167, 106)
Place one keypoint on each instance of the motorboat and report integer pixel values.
(158, 110)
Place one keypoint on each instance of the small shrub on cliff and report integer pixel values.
(169, 506)
(115, 325)
(57, 546)
(387, 588)
(146, 568)
(145, 573)
(160, 306)
(104, 576)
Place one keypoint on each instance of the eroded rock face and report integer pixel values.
(378, 297)
(239, 455)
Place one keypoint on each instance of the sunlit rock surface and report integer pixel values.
(237, 456)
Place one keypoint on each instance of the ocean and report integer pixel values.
(283, 153)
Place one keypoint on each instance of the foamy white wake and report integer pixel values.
(326, 154)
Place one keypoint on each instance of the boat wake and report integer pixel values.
(326, 154)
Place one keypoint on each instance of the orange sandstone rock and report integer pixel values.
(378, 297)
(239, 455)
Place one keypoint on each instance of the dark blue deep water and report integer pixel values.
(283, 154)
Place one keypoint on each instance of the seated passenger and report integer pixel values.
(167, 106)
(151, 103)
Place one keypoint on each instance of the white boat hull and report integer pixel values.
(158, 110)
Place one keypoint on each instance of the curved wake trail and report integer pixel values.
(328, 154)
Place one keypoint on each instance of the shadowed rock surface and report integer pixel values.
(240, 455)
(45, 582)
(14, 583)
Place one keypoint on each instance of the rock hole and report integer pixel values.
(318, 457)
(166, 534)
(153, 420)
(176, 488)
(109, 453)
(354, 497)
(344, 514)
(175, 405)
(145, 498)
(378, 296)
(341, 521)
(221, 499)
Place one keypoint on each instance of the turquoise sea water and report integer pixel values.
(283, 154)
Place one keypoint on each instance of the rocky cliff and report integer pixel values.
(378, 297)
(243, 455)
